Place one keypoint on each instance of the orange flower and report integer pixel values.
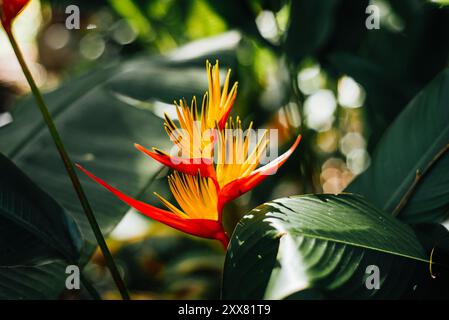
(200, 187)
(197, 198)
(9, 9)
(219, 102)
(236, 171)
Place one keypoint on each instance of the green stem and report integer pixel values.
(70, 168)
(420, 173)
(90, 288)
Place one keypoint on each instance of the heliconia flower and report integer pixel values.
(200, 186)
(197, 198)
(248, 180)
(204, 166)
(9, 10)
(219, 102)
(202, 196)
(236, 170)
(191, 137)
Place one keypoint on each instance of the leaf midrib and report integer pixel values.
(311, 236)
(412, 174)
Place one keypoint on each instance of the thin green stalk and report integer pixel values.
(70, 169)
(90, 288)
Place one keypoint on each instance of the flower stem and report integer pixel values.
(70, 169)
(89, 287)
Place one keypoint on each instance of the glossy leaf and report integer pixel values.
(320, 246)
(435, 241)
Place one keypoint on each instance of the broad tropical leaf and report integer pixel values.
(45, 280)
(37, 236)
(320, 246)
(409, 171)
(435, 241)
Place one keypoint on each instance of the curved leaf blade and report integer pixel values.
(41, 281)
(408, 174)
(319, 246)
(38, 238)
(26, 209)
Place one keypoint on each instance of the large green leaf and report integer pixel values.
(310, 26)
(410, 166)
(435, 241)
(37, 238)
(40, 281)
(100, 115)
(320, 246)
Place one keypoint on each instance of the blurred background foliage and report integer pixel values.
(303, 66)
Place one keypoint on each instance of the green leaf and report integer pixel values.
(31, 218)
(131, 11)
(441, 2)
(310, 26)
(37, 237)
(100, 116)
(435, 240)
(33, 282)
(320, 246)
(408, 174)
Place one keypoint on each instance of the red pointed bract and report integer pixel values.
(185, 165)
(9, 10)
(199, 227)
(240, 186)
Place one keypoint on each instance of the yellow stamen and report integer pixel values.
(220, 101)
(192, 137)
(196, 196)
(234, 159)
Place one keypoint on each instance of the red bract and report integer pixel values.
(204, 166)
(206, 224)
(9, 9)
(239, 186)
(201, 187)
(229, 189)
